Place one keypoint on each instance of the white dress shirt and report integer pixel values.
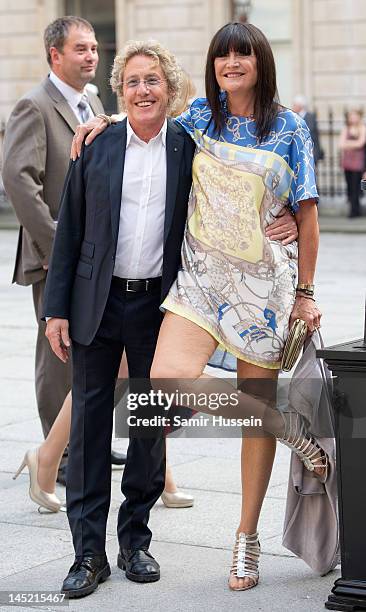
(72, 96)
(141, 226)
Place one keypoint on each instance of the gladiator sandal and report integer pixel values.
(306, 448)
(246, 559)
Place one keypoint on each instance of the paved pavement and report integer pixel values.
(192, 545)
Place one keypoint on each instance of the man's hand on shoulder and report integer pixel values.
(90, 130)
(57, 332)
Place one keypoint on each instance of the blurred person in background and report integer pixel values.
(300, 106)
(352, 146)
(186, 96)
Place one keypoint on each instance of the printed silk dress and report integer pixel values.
(234, 282)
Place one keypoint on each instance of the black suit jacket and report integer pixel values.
(82, 262)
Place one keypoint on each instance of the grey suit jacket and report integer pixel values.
(36, 158)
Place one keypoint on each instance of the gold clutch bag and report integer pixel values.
(294, 343)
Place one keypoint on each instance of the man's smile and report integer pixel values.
(144, 103)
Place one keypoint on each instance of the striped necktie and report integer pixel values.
(84, 109)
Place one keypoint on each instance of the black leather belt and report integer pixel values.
(137, 285)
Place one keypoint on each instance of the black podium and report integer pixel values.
(347, 363)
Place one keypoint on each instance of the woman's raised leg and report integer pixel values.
(182, 352)
(183, 349)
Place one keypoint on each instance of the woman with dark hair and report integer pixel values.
(237, 286)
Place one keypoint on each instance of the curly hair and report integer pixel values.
(159, 55)
(187, 92)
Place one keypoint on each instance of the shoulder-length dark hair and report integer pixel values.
(244, 38)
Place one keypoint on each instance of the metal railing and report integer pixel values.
(330, 176)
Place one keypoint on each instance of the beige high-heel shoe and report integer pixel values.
(246, 559)
(50, 501)
(177, 499)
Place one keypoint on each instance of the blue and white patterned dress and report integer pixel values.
(234, 282)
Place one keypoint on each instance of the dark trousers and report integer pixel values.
(353, 180)
(130, 321)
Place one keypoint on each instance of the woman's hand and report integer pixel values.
(91, 129)
(284, 228)
(307, 310)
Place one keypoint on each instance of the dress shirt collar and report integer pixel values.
(72, 96)
(131, 135)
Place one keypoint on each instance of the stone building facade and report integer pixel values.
(320, 45)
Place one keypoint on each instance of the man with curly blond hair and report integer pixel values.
(116, 254)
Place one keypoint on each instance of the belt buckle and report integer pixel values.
(127, 286)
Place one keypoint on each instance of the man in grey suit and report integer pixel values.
(36, 158)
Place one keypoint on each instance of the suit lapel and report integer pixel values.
(63, 108)
(95, 104)
(67, 114)
(174, 151)
(116, 160)
(61, 105)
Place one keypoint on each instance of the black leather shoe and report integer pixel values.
(61, 475)
(139, 565)
(85, 575)
(118, 458)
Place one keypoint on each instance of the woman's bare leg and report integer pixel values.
(183, 350)
(180, 358)
(257, 456)
(51, 450)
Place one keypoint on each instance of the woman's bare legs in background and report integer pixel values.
(170, 486)
(51, 450)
